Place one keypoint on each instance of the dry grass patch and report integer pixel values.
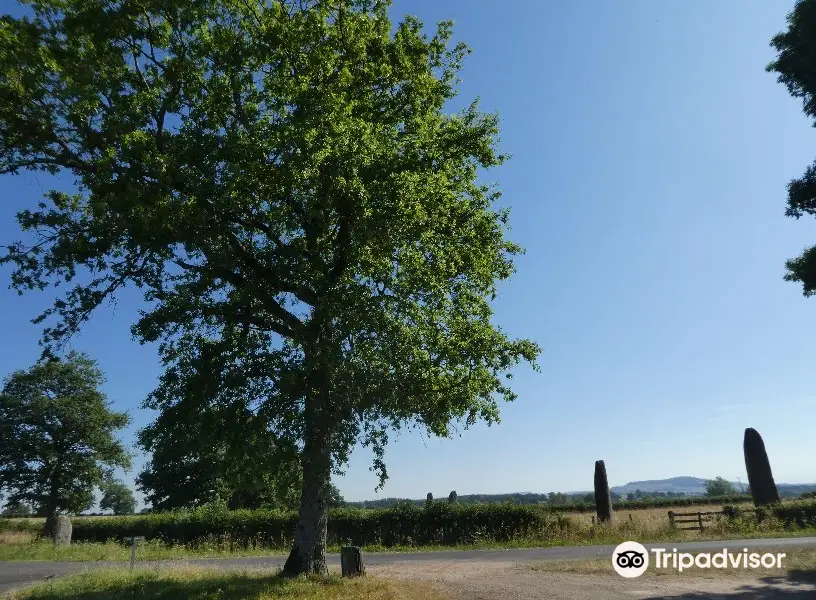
(14, 538)
(202, 584)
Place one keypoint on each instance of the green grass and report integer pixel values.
(200, 584)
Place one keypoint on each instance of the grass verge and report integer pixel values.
(201, 584)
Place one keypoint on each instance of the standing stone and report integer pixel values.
(760, 477)
(62, 531)
(603, 497)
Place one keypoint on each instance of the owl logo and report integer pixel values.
(630, 559)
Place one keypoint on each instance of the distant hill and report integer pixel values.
(695, 486)
(676, 486)
(690, 486)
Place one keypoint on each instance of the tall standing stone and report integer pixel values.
(603, 497)
(760, 479)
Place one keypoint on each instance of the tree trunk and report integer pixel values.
(308, 554)
(52, 509)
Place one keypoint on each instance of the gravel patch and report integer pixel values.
(477, 580)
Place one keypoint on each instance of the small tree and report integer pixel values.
(213, 443)
(58, 435)
(118, 497)
(719, 487)
(336, 499)
(18, 509)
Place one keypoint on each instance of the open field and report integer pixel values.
(649, 518)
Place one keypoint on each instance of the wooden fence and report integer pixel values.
(691, 521)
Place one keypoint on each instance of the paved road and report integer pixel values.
(15, 574)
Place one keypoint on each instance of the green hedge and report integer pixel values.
(403, 525)
(798, 513)
(21, 524)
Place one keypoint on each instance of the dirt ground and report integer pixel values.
(476, 580)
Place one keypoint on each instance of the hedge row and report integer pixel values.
(801, 513)
(404, 525)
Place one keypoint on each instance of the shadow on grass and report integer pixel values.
(797, 584)
(183, 586)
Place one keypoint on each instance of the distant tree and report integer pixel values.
(58, 436)
(335, 497)
(208, 442)
(18, 509)
(719, 487)
(796, 69)
(118, 497)
(452, 497)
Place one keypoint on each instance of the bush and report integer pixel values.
(797, 514)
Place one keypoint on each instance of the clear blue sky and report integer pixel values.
(650, 156)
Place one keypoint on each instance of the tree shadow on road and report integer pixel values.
(797, 584)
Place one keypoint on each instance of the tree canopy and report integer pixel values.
(718, 487)
(117, 497)
(796, 69)
(59, 435)
(285, 184)
(206, 450)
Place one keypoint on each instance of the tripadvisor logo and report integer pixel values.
(631, 559)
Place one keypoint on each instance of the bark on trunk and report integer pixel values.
(51, 510)
(308, 554)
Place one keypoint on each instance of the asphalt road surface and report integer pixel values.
(15, 574)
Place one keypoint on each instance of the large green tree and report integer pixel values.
(59, 436)
(118, 497)
(795, 65)
(208, 444)
(284, 183)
